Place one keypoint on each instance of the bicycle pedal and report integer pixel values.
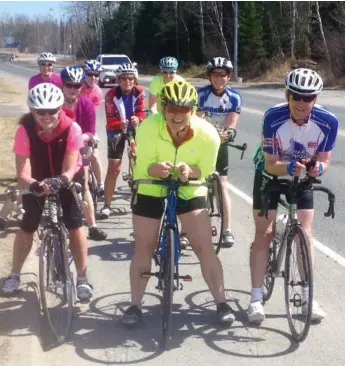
(186, 278)
(148, 274)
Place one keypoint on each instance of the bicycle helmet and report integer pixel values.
(72, 74)
(219, 63)
(45, 96)
(127, 69)
(179, 93)
(46, 57)
(168, 63)
(304, 81)
(92, 66)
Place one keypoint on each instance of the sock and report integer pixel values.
(93, 226)
(81, 278)
(257, 294)
(100, 185)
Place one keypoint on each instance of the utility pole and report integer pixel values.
(235, 7)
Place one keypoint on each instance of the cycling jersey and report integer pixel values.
(154, 145)
(38, 79)
(120, 107)
(95, 94)
(219, 106)
(281, 136)
(156, 86)
(47, 155)
(84, 114)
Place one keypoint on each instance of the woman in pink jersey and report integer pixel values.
(46, 63)
(47, 145)
(92, 91)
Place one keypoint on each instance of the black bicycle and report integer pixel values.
(286, 245)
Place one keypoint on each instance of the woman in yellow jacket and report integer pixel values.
(177, 141)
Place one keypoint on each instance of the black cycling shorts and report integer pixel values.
(305, 201)
(153, 207)
(33, 206)
(222, 164)
(115, 150)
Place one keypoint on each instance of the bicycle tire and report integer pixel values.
(269, 279)
(58, 266)
(216, 211)
(308, 270)
(93, 187)
(168, 286)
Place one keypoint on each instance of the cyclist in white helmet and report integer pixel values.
(46, 61)
(91, 90)
(125, 108)
(83, 112)
(294, 133)
(47, 146)
(222, 104)
(168, 67)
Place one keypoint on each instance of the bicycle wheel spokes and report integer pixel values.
(270, 271)
(215, 211)
(298, 283)
(56, 285)
(168, 285)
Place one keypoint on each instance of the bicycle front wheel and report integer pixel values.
(298, 283)
(56, 284)
(215, 211)
(168, 285)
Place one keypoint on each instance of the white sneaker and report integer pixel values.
(256, 312)
(105, 212)
(317, 313)
(11, 285)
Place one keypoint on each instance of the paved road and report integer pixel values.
(98, 336)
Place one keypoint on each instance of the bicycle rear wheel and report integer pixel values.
(298, 276)
(269, 279)
(168, 285)
(56, 284)
(215, 211)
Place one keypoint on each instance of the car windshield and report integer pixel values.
(115, 60)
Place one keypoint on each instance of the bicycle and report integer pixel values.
(55, 276)
(282, 246)
(167, 253)
(92, 144)
(131, 153)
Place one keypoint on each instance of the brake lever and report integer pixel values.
(330, 212)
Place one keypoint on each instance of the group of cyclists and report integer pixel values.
(174, 140)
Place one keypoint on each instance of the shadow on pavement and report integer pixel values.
(119, 249)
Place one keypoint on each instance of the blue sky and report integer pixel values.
(32, 8)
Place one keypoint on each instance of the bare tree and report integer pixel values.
(325, 48)
(202, 29)
(293, 31)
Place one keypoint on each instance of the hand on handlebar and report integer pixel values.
(295, 168)
(183, 171)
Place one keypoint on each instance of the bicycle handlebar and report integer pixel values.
(287, 186)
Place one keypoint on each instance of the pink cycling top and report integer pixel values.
(38, 79)
(95, 94)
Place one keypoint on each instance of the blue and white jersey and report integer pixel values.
(218, 107)
(282, 137)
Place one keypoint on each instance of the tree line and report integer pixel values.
(194, 31)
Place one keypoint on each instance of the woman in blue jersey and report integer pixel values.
(296, 131)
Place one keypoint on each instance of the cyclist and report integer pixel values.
(224, 105)
(294, 133)
(46, 63)
(47, 146)
(82, 110)
(180, 142)
(125, 108)
(168, 67)
(90, 89)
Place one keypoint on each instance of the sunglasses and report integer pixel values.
(50, 112)
(169, 72)
(130, 78)
(45, 64)
(96, 74)
(303, 98)
(72, 86)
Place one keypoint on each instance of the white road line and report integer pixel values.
(321, 247)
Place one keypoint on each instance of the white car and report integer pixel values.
(109, 64)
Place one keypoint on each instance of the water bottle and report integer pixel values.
(280, 227)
